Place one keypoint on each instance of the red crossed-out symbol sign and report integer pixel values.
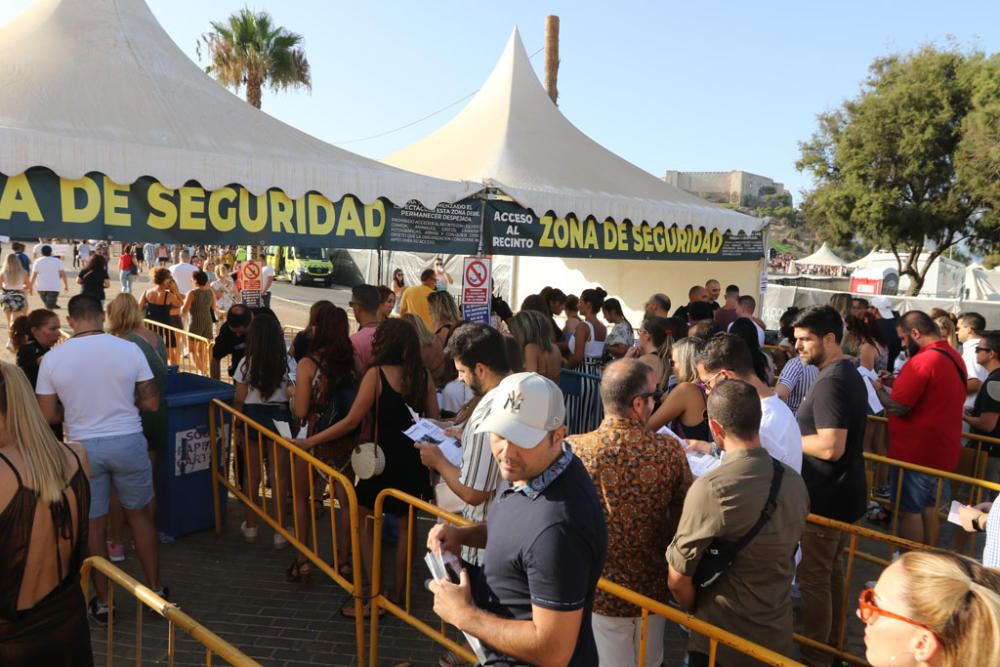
(476, 274)
(251, 270)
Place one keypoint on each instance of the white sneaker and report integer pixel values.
(279, 541)
(249, 532)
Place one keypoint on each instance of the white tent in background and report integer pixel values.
(865, 261)
(512, 137)
(981, 284)
(822, 257)
(98, 85)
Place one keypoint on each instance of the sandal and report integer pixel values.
(449, 659)
(299, 570)
(347, 611)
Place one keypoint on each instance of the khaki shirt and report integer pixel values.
(753, 597)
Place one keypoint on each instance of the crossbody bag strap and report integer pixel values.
(961, 373)
(769, 507)
(378, 396)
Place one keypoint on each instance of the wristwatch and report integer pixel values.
(978, 524)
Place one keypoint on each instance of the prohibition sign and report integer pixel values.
(476, 274)
(251, 271)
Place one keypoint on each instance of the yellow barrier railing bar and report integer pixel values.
(199, 349)
(214, 645)
(715, 635)
(218, 412)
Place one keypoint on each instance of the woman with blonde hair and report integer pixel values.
(948, 331)
(935, 609)
(14, 282)
(125, 321)
(533, 332)
(683, 409)
(44, 504)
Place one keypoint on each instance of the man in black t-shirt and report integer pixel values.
(832, 418)
(984, 417)
(232, 340)
(532, 599)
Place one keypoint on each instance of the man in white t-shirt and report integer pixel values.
(266, 278)
(46, 274)
(970, 333)
(729, 357)
(745, 306)
(183, 273)
(100, 410)
(36, 252)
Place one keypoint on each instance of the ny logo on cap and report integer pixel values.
(513, 402)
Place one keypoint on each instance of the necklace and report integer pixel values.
(90, 332)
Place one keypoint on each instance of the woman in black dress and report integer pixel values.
(44, 503)
(94, 278)
(395, 380)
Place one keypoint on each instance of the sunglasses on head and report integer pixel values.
(869, 611)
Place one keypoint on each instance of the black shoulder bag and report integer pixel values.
(721, 554)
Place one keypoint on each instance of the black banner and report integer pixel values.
(516, 231)
(39, 203)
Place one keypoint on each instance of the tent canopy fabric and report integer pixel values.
(822, 257)
(98, 85)
(512, 137)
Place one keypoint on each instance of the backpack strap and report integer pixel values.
(959, 369)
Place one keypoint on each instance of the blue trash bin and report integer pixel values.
(183, 470)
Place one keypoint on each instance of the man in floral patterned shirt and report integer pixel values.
(641, 480)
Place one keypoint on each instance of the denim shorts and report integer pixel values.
(919, 490)
(121, 460)
(266, 414)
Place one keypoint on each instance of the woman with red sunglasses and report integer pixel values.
(933, 609)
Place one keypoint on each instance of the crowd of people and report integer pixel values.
(690, 483)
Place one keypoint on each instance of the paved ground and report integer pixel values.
(240, 592)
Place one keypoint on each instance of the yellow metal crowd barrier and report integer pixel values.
(298, 480)
(193, 354)
(214, 645)
(648, 606)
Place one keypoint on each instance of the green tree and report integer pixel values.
(884, 163)
(249, 50)
(978, 159)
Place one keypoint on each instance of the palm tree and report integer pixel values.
(249, 50)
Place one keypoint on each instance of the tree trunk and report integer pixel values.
(253, 92)
(552, 57)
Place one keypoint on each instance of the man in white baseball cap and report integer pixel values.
(549, 519)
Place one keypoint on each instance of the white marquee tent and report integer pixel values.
(98, 85)
(512, 137)
(822, 257)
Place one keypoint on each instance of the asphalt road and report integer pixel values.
(289, 302)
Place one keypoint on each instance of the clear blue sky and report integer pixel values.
(706, 86)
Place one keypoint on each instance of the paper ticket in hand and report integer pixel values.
(953, 513)
(427, 431)
(285, 431)
(447, 566)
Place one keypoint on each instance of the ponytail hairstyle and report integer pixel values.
(593, 298)
(21, 327)
(661, 332)
(959, 600)
(43, 455)
(615, 306)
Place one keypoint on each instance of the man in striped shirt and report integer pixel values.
(479, 355)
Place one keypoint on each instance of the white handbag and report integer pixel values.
(368, 459)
